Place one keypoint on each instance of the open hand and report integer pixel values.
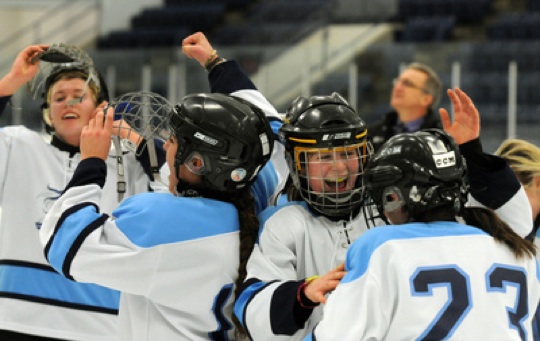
(96, 135)
(23, 69)
(318, 288)
(466, 124)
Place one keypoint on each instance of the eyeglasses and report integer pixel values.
(407, 83)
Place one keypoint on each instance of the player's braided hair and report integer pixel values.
(249, 230)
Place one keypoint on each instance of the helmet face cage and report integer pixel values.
(61, 58)
(147, 115)
(327, 151)
(419, 171)
(224, 139)
(330, 179)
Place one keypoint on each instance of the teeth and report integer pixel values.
(70, 116)
(338, 180)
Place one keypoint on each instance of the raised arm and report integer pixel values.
(227, 77)
(22, 70)
(492, 182)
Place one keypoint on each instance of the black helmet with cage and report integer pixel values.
(224, 139)
(326, 125)
(420, 171)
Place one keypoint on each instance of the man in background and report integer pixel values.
(415, 95)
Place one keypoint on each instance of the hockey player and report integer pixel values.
(226, 77)
(35, 301)
(174, 259)
(430, 277)
(309, 236)
(278, 316)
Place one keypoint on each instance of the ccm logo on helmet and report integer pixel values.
(338, 136)
(206, 139)
(445, 160)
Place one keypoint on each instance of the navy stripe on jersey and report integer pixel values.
(65, 214)
(285, 317)
(223, 324)
(199, 221)
(70, 232)
(40, 283)
(89, 171)
(250, 289)
(72, 252)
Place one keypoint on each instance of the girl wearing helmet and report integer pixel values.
(443, 269)
(174, 256)
(309, 236)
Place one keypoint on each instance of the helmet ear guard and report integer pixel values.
(425, 167)
(232, 136)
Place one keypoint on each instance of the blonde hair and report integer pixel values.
(71, 74)
(523, 157)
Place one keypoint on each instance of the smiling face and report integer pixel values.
(332, 170)
(68, 119)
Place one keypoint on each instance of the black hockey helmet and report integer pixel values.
(325, 124)
(230, 138)
(420, 171)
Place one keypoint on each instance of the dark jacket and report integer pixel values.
(381, 131)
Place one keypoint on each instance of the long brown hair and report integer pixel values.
(489, 222)
(486, 220)
(249, 231)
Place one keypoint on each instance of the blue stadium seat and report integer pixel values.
(515, 27)
(200, 17)
(463, 10)
(426, 29)
(144, 37)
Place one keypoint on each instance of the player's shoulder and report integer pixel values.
(22, 132)
(376, 237)
(285, 210)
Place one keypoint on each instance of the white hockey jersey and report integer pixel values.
(433, 281)
(33, 297)
(294, 245)
(174, 259)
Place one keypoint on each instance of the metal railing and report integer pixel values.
(69, 21)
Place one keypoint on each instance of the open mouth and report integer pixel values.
(70, 116)
(337, 184)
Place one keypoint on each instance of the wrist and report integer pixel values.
(213, 61)
(301, 297)
(9, 85)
